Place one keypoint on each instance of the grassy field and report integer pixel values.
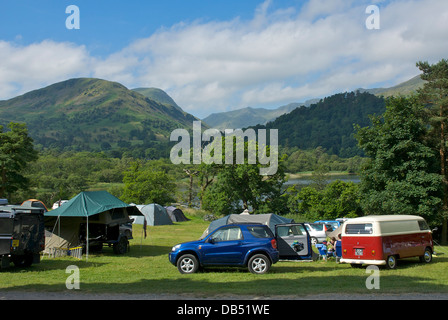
(146, 269)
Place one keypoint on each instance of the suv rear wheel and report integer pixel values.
(259, 264)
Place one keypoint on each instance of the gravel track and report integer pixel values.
(73, 295)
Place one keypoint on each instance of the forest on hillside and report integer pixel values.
(328, 123)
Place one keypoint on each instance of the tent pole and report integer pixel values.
(87, 238)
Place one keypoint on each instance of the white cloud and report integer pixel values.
(277, 57)
(25, 68)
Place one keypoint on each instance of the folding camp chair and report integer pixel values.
(322, 251)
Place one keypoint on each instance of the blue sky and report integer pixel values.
(108, 26)
(214, 55)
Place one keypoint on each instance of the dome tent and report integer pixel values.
(176, 214)
(269, 219)
(154, 214)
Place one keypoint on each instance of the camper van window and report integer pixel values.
(359, 228)
(423, 225)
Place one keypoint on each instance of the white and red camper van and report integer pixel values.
(381, 240)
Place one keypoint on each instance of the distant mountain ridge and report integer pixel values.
(93, 114)
(243, 118)
(246, 117)
(404, 88)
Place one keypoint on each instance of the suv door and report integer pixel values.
(293, 241)
(223, 247)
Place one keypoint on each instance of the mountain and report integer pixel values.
(405, 88)
(158, 95)
(93, 114)
(246, 117)
(328, 123)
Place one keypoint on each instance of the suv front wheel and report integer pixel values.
(187, 264)
(259, 264)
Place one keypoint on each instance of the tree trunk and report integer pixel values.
(444, 174)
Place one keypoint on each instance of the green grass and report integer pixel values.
(146, 269)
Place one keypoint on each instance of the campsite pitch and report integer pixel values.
(146, 270)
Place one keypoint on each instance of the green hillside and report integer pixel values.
(406, 88)
(93, 114)
(157, 95)
(328, 123)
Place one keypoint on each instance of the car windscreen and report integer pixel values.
(260, 232)
(317, 226)
(359, 228)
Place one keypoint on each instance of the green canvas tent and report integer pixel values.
(89, 203)
(71, 222)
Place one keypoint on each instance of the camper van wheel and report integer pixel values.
(187, 264)
(391, 262)
(427, 256)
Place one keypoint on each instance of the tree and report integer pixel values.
(336, 200)
(435, 94)
(237, 187)
(16, 151)
(147, 185)
(402, 174)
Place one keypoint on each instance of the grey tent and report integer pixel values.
(269, 219)
(176, 214)
(335, 233)
(154, 214)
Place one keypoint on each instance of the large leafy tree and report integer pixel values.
(435, 95)
(237, 187)
(402, 174)
(143, 185)
(16, 152)
(336, 200)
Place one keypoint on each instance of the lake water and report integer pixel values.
(306, 180)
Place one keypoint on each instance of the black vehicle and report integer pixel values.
(22, 235)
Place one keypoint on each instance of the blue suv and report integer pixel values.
(241, 245)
